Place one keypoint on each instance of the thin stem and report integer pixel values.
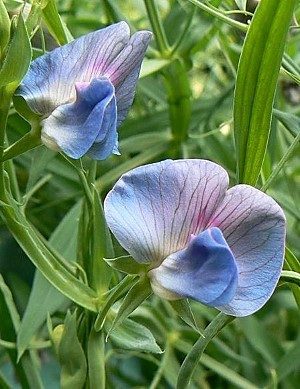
(220, 15)
(281, 163)
(157, 27)
(193, 357)
(290, 276)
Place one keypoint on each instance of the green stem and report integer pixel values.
(179, 99)
(220, 15)
(290, 276)
(281, 163)
(193, 357)
(157, 27)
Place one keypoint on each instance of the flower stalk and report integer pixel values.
(192, 359)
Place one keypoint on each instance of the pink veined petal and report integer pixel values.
(153, 210)
(51, 78)
(253, 225)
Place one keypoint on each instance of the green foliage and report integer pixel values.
(256, 83)
(199, 66)
(12, 71)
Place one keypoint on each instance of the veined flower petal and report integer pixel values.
(153, 210)
(253, 225)
(109, 52)
(205, 271)
(124, 71)
(50, 80)
(75, 127)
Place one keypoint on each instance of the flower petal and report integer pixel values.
(205, 271)
(124, 71)
(154, 209)
(73, 128)
(253, 225)
(108, 52)
(51, 78)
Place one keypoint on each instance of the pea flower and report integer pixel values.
(83, 90)
(222, 247)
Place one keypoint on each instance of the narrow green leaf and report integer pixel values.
(13, 71)
(138, 293)
(96, 359)
(130, 335)
(127, 264)
(55, 25)
(44, 298)
(71, 356)
(256, 84)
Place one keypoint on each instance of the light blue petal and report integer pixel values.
(109, 52)
(125, 69)
(204, 271)
(73, 128)
(153, 210)
(253, 225)
(106, 145)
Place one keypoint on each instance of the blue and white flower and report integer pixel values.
(223, 247)
(83, 90)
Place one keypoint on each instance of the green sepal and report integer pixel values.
(13, 70)
(138, 293)
(133, 336)
(114, 295)
(4, 28)
(23, 109)
(71, 356)
(183, 309)
(127, 264)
